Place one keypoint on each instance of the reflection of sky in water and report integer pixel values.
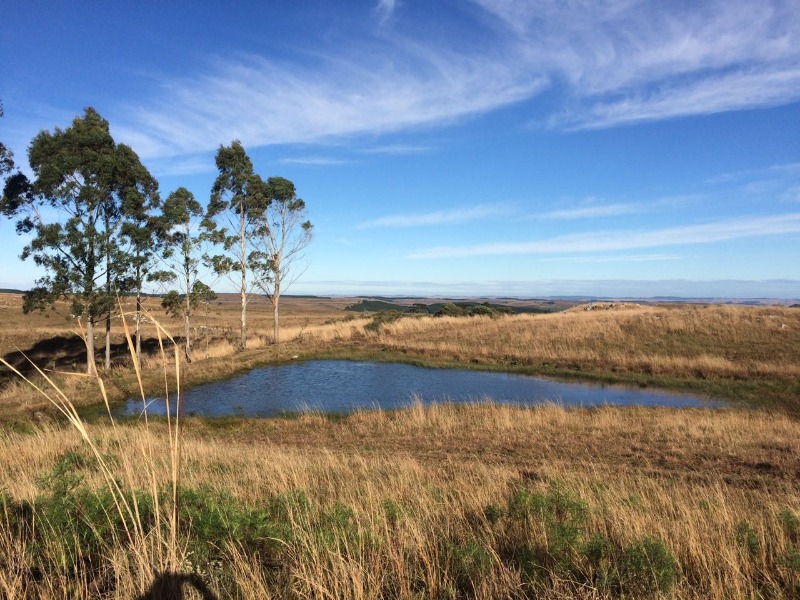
(341, 386)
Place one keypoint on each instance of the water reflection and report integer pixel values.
(343, 386)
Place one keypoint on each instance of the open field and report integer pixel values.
(480, 501)
(741, 353)
(448, 501)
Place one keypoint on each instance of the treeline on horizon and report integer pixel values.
(100, 229)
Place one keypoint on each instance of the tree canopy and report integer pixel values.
(83, 184)
(235, 213)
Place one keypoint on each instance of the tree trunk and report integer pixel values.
(243, 265)
(138, 325)
(276, 298)
(186, 333)
(108, 292)
(243, 342)
(186, 317)
(108, 341)
(91, 368)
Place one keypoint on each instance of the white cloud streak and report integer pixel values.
(608, 241)
(398, 149)
(385, 10)
(314, 161)
(260, 102)
(613, 63)
(598, 288)
(442, 217)
(634, 258)
(592, 211)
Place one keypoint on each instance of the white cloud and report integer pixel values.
(713, 94)
(597, 288)
(320, 161)
(612, 63)
(262, 102)
(398, 149)
(442, 217)
(592, 211)
(183, 165)
(779, 171)
(616, 259)
(607, 241)
(385, 10)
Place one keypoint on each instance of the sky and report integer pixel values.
(454, 147)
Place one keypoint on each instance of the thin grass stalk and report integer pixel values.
(175, 443)
(67, 408)
(128, 509)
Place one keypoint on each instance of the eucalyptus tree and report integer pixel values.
(138, 229)
(183, 238)
(284, 235)
(70, 209)
(234, 217)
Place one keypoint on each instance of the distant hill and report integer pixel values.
(454, 308)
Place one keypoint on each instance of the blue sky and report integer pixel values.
(455, 147)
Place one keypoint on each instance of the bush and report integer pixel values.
(467, 562)
(747, 538)
(647, 567)
(383, 318)
(567, 552)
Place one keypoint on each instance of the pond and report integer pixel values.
(344, 386)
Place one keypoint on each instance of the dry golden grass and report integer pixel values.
(688, 477)
(710, 340)
(133, 545)
(396, 503)
(735, 352)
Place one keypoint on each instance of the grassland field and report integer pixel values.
(484, 501)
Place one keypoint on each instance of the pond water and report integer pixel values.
(344, 386)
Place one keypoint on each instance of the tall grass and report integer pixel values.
(439, 501)
(452, 501)
(134, 536)
(750, 353)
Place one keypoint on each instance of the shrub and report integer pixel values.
(563, 517)
(747, 538)
(393, 511)
(383, 318)
(790, 524)
(646, 568)
(468, 564)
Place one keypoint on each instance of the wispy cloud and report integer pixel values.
(615, 63)
(633, 258)
(589, 288)
(385, 10)
(398, 149)
(441, 217)
(709, 95)
(780, 171)
(779, 181)
(607, 241)
(626, 61)
(263, 102)
(320, 161)
(592, 211)
(183, 165)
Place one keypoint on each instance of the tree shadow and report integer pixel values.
(170, 586)
(66, 353)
